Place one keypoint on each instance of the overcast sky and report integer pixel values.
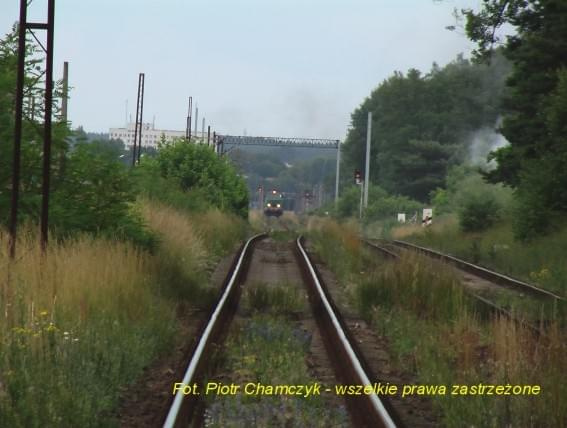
(270, 67)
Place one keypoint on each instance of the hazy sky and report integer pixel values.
(270, 67)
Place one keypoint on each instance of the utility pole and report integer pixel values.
(141, 118)
(367, 168)
(24, 26)
(188, 125)
(196, 121)
(208, 135)
(138, 125)
(338, 172)
(47, 125)
(65, 98)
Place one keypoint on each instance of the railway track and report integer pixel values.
(350, 367)
(388, 250)
(492, 276)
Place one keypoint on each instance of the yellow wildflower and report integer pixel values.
(51, 328)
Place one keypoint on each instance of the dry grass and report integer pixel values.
(85, 313)
(179, 237)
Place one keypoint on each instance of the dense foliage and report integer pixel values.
(422, 124)
(192, 175)
(381, 205)
(535, 108)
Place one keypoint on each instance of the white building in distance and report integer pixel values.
(150, 136)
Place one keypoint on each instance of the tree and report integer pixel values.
(535, 162)
(96, 194)
(196, 166)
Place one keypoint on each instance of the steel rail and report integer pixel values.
(381, 414)
(483, 272)
(171, 419)
(389, 254)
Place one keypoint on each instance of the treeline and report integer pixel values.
(422, 124)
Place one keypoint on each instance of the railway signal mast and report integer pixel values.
(367, 166)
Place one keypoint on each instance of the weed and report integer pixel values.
(283, 298)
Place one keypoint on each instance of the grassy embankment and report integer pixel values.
(435, 333)
(80, 323)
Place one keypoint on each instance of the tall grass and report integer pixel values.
(81, 321)
(77, 323)
(540, 261)
(337, 244)
(190, 247)
(439, 338)
(434, 333)
(416, 284)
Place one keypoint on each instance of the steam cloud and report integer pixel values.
(482, 142)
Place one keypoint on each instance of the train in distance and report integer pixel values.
(276, 203)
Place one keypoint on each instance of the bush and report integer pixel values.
(381, 205)
(479, 213)
(195, 167)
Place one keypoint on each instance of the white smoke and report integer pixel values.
(482, 142)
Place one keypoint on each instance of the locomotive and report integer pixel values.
(273, 206)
